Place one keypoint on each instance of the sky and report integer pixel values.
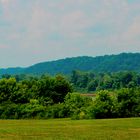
(33, 31)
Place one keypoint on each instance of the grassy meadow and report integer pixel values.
(66, 129)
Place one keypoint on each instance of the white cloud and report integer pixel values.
(86, 26)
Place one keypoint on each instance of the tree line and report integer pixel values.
(92, 81)
(117, 95)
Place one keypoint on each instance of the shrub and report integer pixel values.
(103, 106)
(75, 104)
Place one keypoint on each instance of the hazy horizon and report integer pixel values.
(44, 30)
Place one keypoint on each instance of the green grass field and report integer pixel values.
(66, 129)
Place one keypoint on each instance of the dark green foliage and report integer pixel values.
(32, 98)
(91, 81)
(9, 110)
(123, 103)
(20, 94)
(92, 85)
(7, 87)
(76, 105)
(104, 106)
(54, 89)
(56, 111)
(117, 95)
(129, 102)
(32, 110)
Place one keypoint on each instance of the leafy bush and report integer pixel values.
(76, 104)
(129, 102)
(56, 111)
(103, 106)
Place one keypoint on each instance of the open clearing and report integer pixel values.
(66, 129)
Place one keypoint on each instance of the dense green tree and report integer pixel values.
(128, 102)
(104, 106)
(91, 81)
(92, 85)
(7, 87)
(75, 103)
(20, 94)
(54, 88)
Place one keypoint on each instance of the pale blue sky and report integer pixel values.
(33, 31)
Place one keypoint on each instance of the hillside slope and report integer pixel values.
(107, 63)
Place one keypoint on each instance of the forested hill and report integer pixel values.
(107, 63)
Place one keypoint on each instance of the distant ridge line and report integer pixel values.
(106, 63)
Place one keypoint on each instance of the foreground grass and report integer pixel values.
(65, 129)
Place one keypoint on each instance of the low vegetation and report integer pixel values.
(66, 129)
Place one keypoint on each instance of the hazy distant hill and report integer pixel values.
(16, 70)
(107, 63)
